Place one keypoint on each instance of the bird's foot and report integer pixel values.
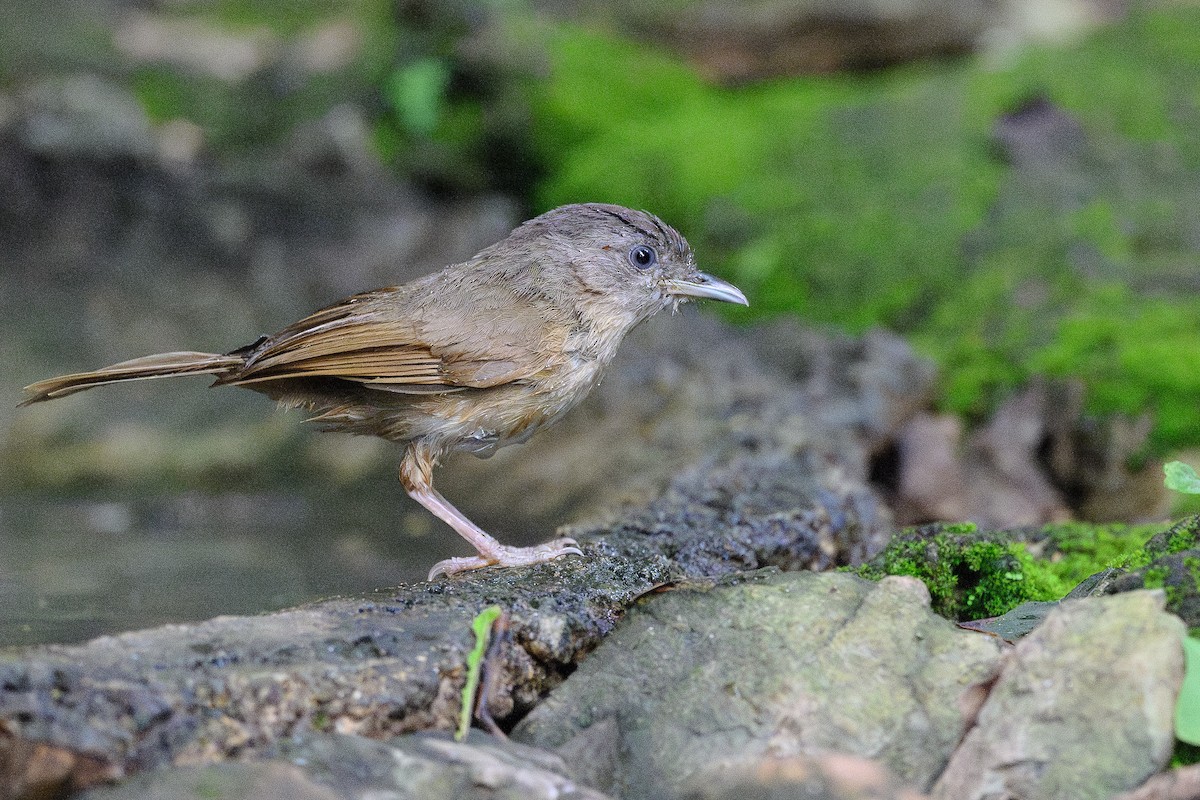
(505, 556)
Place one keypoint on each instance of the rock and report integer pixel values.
(931, 479)
(829, 776)
(324, 767)
(1182, 783)
(372, 666)
(83, 115)
(1109, 664)
(1039, 133)
(1173, 558)
(196, 46)
(1099, 464)
(1041, 458)
(231, 781)
(738, 41)
(1005, 454)
(781, 664)
(879, 370)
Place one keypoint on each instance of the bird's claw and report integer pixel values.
(506, 556)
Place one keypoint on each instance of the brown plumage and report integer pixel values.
(477, 356)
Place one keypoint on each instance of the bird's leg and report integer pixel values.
(416, 475)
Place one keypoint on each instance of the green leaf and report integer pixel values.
(1181, 478)
(1187, 709)
(481, 626)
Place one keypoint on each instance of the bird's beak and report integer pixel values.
(705, 285)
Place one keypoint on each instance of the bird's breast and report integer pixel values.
(482, 422)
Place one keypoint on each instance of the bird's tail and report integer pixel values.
(162, 365)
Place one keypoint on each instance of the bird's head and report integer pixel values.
(624, 265)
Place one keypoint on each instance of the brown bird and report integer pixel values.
(475, 357)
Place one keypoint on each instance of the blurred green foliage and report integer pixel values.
(831, 197)
(457, 115)
(883, 199)
(417, 94)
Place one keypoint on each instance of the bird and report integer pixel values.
(478, 356)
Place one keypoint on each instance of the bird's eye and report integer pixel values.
(643, 256)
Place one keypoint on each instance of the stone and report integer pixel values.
(780, 665)
(1083, 709)
(330, 766)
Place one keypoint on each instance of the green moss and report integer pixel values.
(973, 574)
(1080, 549)
(775, 172)
(1176, 594)
(968, 575)
(1181, 538)
(1182, 535)
(1155, 577)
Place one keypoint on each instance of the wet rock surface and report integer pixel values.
(689, 393)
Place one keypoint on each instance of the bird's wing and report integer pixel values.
(365, 339)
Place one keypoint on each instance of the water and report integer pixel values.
(75, 568)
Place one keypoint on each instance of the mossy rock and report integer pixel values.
(973, 574)
(1179, 538)
(1170, 561)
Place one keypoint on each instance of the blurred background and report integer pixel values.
(1011, 185)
